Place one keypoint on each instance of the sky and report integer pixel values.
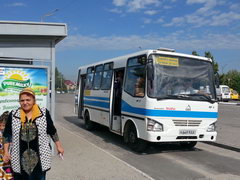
(103, 29)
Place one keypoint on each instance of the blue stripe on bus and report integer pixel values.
(95, 97)
(153, 112)
(167, 113)
(97, 103)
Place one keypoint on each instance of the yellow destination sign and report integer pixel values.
(167, 61)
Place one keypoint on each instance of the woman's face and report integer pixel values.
(26, 102)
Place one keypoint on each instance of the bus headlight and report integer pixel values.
(211, 128)
(154, 125)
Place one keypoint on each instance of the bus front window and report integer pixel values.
(180, 77)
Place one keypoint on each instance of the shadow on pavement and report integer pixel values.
(109, 137)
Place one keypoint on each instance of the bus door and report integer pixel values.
(81, 95)
(115, 123)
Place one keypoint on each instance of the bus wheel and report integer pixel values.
(136, 144)
(188, 145)
(87, 122)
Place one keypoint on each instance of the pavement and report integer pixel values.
(228, 126)
(85, 161)
(96, 163)
(82, 159)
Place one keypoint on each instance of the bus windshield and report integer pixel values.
(181, 78)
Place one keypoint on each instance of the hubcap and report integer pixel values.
(132, 137)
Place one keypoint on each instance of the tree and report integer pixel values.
(208, 55)
(215, 64)
(195, 53)
(232, 79)
(59, 81)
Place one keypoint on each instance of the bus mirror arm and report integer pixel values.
(150, 71)
(217, 81)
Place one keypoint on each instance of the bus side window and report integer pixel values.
(135, 78)
(107, 76)
(89, 78)
(97, 77)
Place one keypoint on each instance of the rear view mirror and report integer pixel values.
(217, 81)
(150, 71)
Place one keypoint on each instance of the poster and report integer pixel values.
(14, 79)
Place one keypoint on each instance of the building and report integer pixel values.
(71, 86)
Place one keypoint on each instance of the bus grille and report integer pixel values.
(187, 122)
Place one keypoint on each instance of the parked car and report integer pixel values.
(225, 93)
(234, 94)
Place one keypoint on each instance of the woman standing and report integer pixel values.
(28, 129)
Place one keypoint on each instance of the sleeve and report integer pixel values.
(7, 134)
(51, 130)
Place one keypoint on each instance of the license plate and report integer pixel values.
(187, 132)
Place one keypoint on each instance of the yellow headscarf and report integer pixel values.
(35, 113)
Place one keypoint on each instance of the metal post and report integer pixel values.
(52, 85)
(53, 81)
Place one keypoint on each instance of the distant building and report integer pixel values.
(70, 85)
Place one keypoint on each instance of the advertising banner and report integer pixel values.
(14, 79)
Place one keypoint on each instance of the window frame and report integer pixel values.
(111, 69)
(94, 76)
(92, 72)
(126, 74)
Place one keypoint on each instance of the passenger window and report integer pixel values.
(107, 76)
(135, 77)
(89, 78)
(97, 77)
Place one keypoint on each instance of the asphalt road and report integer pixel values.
(160, 161)
(228, 125)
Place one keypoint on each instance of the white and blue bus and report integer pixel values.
(150, 96)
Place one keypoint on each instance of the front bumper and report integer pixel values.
(174, 136)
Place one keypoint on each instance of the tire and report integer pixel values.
(88, 124)
(188, 144)
(130, 137)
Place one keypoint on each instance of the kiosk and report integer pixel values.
(27, 59)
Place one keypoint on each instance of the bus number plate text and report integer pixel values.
(187, 132)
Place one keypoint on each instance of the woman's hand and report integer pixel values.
(6, 157)
(60, 149)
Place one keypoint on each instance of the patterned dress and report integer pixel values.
(29, 144)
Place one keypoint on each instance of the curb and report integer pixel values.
(227, 103)
(223, 146)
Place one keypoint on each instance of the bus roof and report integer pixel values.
(120, 61)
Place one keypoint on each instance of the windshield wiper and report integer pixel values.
(202, 96)
(187, 96)
(179, 96)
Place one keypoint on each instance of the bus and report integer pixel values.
(150, 96)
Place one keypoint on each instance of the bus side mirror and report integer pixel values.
(217, 81)
(150, 71)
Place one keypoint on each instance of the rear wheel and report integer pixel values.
(188, 145)
(87, 122)
(133, 141)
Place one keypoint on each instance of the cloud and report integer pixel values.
(135, 5)
(177, 40)
(160, 20)
(224, 19)
(207, 15)
(147, 21)
(151, 12)
(115, 10)
(119, 2)
(176, 21)
(235, 6)
(16, 4)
